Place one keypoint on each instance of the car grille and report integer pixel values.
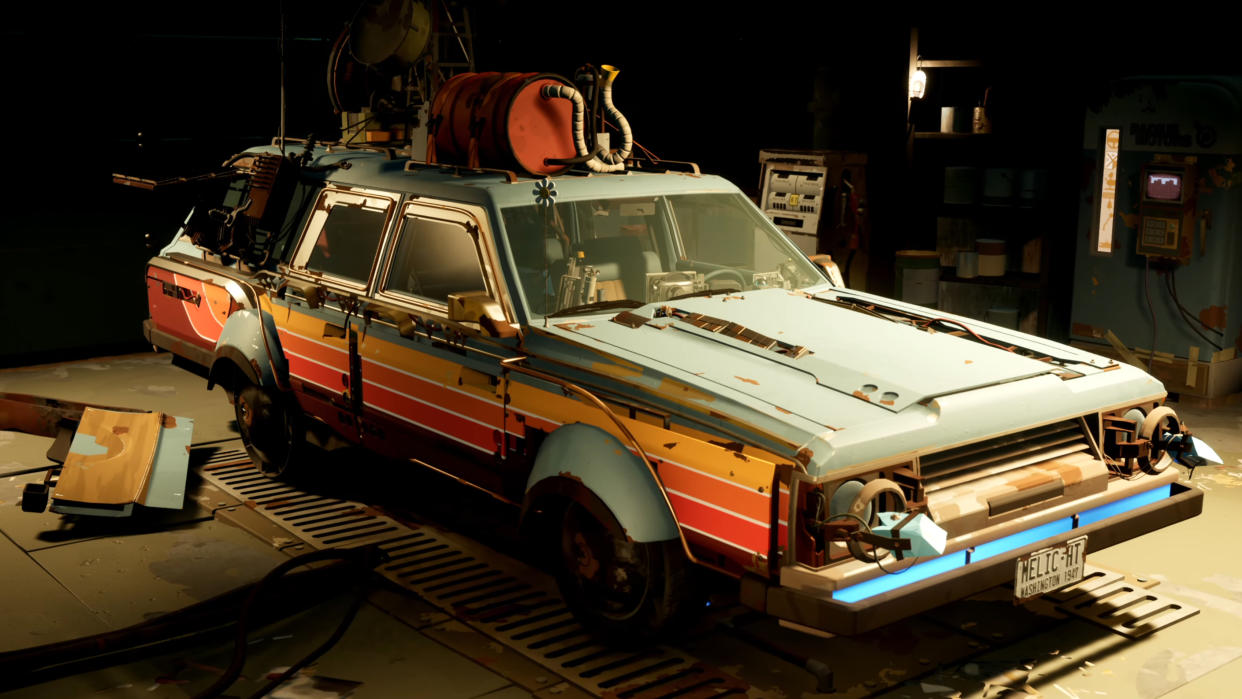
(999, 454)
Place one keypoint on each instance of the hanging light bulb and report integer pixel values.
(918, 82)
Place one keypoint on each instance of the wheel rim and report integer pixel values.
(265, 429)
(608, 575)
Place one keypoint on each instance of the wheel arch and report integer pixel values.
(587, 465)
(248, 348)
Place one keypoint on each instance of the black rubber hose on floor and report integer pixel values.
(184, 627)
(367, 558)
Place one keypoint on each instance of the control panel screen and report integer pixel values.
(1164, 186)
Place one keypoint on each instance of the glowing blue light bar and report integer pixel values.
(1022, 538)
(1005, 544)
(1096, 514)
(913, 574)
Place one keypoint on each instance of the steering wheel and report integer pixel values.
(741, 279)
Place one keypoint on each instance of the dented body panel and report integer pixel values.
(727, 420)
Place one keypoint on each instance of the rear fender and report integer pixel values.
(581, 458)
(254, 347)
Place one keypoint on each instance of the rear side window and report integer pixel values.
(343, 235)
(435, 258)
(346, 245)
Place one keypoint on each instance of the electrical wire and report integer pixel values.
(1151, 309)
(972, 332)
(1170, 285)
(364, 556)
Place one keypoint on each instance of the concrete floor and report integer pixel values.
(63, 579)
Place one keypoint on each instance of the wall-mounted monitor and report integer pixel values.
(1163, 187)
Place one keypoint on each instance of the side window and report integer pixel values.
(434, 258)
(343, 236)
(347, 242)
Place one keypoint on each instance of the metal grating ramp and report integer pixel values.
(1106, 598)
(503, 599)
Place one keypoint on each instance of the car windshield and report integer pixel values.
(610, 253)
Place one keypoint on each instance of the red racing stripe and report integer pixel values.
(731, 496)
(739, 532)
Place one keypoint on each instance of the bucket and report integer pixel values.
(918, 276)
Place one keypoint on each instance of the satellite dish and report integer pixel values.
(384, 29)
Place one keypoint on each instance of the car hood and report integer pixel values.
(767, 342)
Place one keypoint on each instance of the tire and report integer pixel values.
(627, 592)
(270, 426)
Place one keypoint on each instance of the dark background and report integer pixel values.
(161, 89)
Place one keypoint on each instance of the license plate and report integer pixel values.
(1049, 569)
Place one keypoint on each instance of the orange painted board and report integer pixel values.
(110, 457)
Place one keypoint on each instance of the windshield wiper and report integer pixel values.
(707, 292)
(595, 306)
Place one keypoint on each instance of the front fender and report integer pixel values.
(254, 345)
(598, 462)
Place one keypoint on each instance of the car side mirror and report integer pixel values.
(479, 307)
(830, 268)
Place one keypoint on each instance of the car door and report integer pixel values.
(433, 389)
(329, 273)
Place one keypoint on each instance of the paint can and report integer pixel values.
(947, 116)
(968, 264)
(1032, 185)
(918, 276)
(991, 257)
(999, 185)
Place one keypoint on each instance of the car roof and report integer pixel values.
(387, 170)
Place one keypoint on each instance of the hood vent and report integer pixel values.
(734, 330)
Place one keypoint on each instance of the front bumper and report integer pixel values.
(1105, 526)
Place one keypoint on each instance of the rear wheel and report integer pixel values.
(270, 428)
(628, 591)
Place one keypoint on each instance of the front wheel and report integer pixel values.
(270, 428)
(628, 591)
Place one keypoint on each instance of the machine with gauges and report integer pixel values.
(818, 198)
(1166, 208)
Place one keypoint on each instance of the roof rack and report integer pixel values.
(389, 152)
(460, 170)
(664, 166)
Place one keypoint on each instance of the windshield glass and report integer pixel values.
(645, 249)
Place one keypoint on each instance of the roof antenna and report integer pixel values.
(282, 77)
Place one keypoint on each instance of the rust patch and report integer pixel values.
(676, 388)
(170, 422)
(120, 429)
(749, 381)
(618, 370)
(804, 456)
(864, 396)
(886, 402)
(670, 445)
(570, 476)
(970, 361)
(1213, 317)
(573, 327)
(252, 504)
(787, 412)
(731, 446)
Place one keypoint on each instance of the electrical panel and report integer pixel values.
(817, 198)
